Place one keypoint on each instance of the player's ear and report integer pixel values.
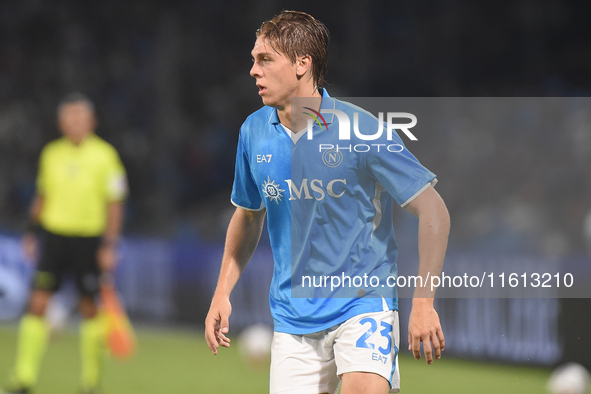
(303, 64)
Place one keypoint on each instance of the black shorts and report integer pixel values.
(68, 256)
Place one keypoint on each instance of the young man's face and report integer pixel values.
(76, 120)
(275, 74)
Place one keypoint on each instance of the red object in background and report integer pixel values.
(120, 335)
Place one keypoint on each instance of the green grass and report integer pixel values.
(166, 362)
(180, 362)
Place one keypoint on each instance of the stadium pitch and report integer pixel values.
(178, 361)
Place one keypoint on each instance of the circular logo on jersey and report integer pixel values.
(272, 190)
(332, 157)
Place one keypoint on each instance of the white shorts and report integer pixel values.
(314, 363)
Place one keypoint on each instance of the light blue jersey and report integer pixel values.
(329, 207)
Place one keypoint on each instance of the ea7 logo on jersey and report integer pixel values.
(264, 158)
(334, 188)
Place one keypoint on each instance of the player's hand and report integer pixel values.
(217, 324)
(424, 326)
(107, 257)
(30, 246)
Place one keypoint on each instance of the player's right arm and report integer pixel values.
(242, 238)
(29, 240)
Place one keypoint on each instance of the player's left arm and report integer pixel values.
(434, 224)
(116, 191)
(107, 252)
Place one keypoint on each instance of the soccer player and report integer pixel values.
(81, 186)
(329, 215)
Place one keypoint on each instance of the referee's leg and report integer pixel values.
(92, 343)
(33, 335)
(93, 326)
(39, 301)
(87, 307)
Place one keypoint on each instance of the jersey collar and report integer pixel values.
(86, 139)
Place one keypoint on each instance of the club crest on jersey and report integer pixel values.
(272, 190)
(332, 158)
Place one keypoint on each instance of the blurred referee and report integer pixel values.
(77, 214)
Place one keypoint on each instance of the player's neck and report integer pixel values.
(79, 139)
(285, 113)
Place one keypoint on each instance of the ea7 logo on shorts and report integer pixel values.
(264, 158)
(379, 357)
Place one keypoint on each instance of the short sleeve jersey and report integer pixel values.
(76, 183)
(329, 210)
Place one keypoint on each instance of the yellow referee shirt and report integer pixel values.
(76, 183)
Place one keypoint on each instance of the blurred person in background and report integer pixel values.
(319, 341)
(76, 216)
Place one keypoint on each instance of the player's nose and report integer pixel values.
(255, 70)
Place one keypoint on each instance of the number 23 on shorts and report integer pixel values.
(386, 332)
